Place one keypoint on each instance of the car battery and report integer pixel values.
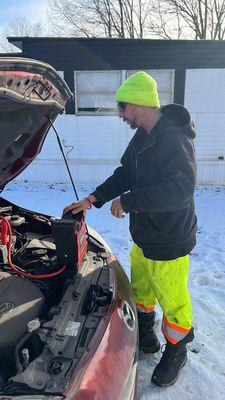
(70, 235)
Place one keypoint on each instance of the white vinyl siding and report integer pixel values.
(93, 145)
(205, 99)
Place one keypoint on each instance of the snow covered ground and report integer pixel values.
(203, 378)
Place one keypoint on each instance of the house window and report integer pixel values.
(95, 92)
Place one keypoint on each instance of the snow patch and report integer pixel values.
(203, 378)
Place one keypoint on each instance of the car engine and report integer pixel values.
(20, 302)
(55, 289)
(24, 302)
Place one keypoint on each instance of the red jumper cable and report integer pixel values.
(6, 239)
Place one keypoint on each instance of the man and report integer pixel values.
(155, 184)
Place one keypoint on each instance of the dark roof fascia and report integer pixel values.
(17, 41)
(147, 40)
(11, 54)
(116, 54)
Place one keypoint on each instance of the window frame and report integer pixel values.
(102, 111)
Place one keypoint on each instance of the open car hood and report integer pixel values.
(32, 94)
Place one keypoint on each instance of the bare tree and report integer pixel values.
(20, 27)
(198, 19)
(100, 18)
(165, 23)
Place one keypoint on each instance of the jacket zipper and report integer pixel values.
(142, 151)
(146, 148)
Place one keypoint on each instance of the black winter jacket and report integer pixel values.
(156, 182)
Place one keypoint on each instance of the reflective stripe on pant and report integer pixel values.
(165, 282)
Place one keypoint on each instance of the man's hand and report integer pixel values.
(116, 208)
(81, 205)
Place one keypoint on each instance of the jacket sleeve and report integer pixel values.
(176, 159)
(118, 183)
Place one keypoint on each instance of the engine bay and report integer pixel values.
(49, 308)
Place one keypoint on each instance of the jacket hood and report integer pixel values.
(32, 94)
(179, 119)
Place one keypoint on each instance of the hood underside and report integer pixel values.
(32, 94)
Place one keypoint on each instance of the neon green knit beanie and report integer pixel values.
(140, 89)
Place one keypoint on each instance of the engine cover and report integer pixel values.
(20, 302)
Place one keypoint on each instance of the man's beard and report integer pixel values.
(133, 125)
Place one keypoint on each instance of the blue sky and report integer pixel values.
(33, 10)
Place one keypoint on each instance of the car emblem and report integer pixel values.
(6, 307)
(128, 315)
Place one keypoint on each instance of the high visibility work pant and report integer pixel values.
(165, 282)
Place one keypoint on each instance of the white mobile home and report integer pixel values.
(188, 72)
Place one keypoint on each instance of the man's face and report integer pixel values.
(127, 112)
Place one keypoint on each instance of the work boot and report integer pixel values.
(173, 359)
(148, 341)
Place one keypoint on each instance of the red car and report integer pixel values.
(68, 323)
